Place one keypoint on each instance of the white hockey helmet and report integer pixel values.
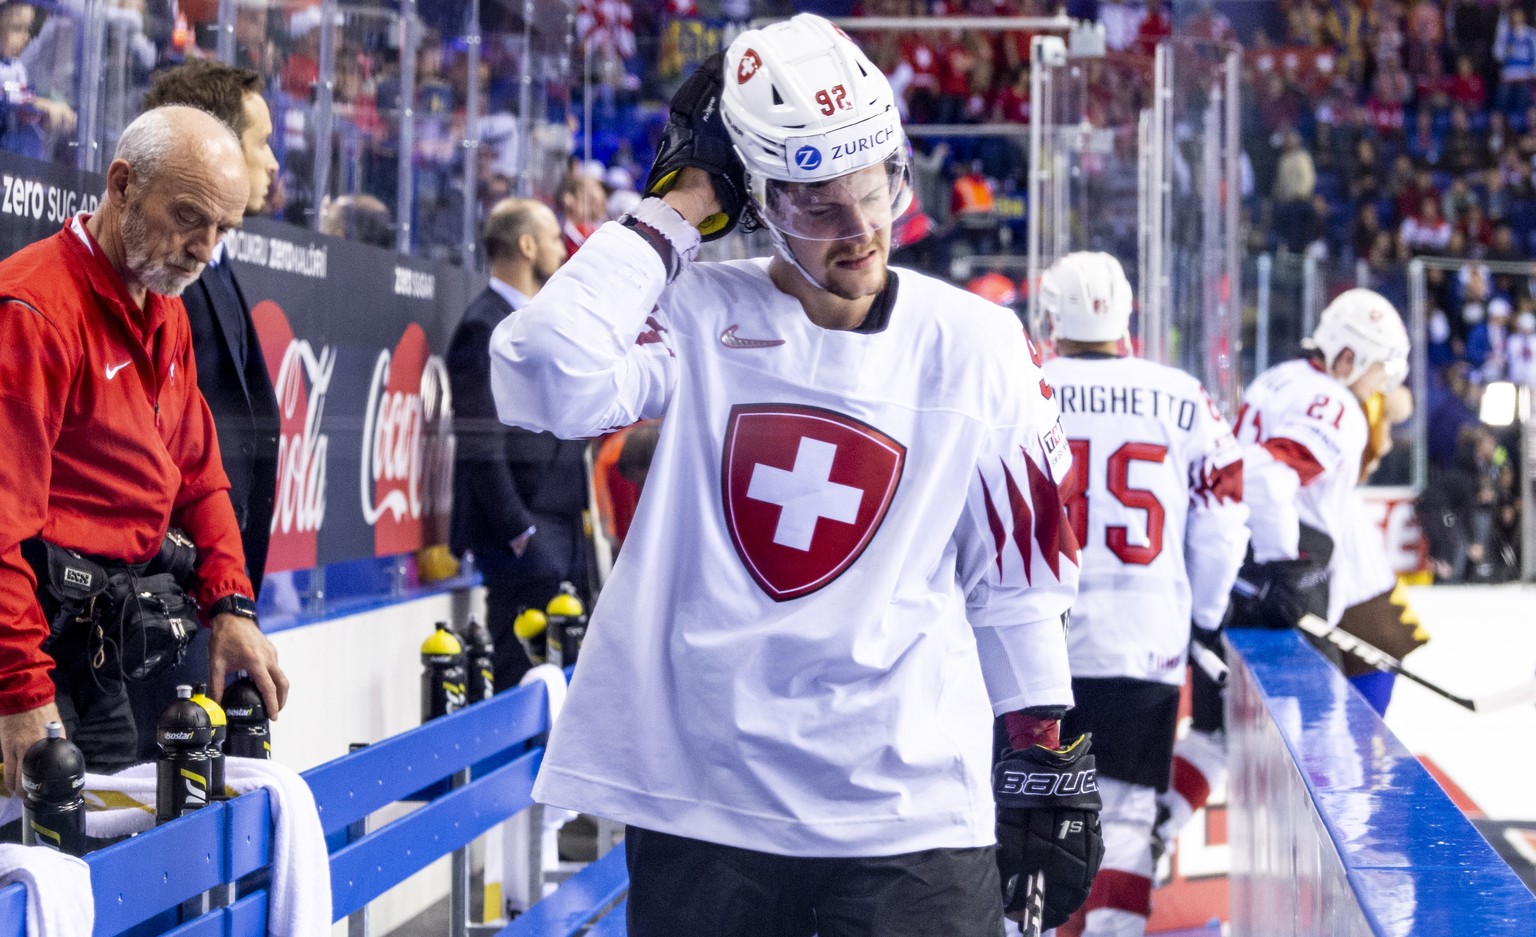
(1365, 322)
(1087, 297)
(804, 107)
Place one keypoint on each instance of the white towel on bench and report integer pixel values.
(58, 889)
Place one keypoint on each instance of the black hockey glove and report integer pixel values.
(1278, 593)
(695, 135)
(1048, 821)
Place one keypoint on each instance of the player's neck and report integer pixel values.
(825, 310)
(1067, 348)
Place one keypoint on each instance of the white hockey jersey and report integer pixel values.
(847, 543)
(1156, 502)
(1304, 434)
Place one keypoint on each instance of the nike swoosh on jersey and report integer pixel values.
(113, 369)
(729, 339)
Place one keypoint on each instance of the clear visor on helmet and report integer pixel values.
(852, 205)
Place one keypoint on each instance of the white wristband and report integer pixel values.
(653, 216)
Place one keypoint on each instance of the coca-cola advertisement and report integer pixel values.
(353, 338)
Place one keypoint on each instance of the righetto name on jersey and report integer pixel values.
(1130, 401)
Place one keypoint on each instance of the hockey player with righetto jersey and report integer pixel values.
(850, 555)
(1156, 502)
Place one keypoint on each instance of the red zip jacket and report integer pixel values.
(107, 440)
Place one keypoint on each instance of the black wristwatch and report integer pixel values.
(234, 604)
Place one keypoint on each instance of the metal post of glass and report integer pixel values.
(405, 191)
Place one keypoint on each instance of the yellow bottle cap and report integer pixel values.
(440, 642)
(215, 711)
(530, 624)
(565, 604)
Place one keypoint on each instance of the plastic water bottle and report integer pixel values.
(184, 733)
(442, 674)
(250, 735)
(53, 788)
(531, 627)
(567, 626)
(482, 675)
(216, 744)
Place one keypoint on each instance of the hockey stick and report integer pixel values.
(1523, 695)
(1031, 916)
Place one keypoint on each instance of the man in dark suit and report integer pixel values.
(518, 496)
(231, 372)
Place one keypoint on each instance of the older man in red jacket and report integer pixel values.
(109, 443)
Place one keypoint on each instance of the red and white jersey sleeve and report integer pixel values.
(1156, 499)
(788, 653)
(1018, 558)
(1303, 434)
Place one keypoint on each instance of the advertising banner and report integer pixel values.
(353, 337)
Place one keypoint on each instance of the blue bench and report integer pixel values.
(203, 875)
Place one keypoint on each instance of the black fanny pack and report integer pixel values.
(132, 621)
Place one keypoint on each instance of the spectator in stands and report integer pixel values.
(1295, 180)
(518, 495)
(1439, 350)
(1515, 49)
(1426, 231)
(28, 121)
(1155, 26)
(583, 206)
(1389, 91)
(231, 372)
(1363, 172)
(1410, 196)
(1470, 26)
(1364, 230)
(1474, 226)
(1423, 141)
(1467, 88)
(1520, 350)
(1457, 199)
(972, 210)
(1426, 31)
(1463, 150)
(109, 441)
(1431, 88)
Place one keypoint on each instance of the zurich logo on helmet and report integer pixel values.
(808, 157)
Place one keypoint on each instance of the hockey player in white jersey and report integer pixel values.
(1305, 431)
(1156, 502)
(851, 553)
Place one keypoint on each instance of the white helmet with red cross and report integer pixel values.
(1087, 297)
(804, 108)
(1366, 323)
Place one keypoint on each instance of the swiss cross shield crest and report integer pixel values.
(805, 490)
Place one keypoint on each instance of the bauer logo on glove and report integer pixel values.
(1048, 824)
